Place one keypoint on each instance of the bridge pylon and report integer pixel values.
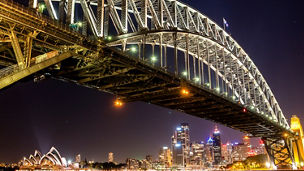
(297, 142)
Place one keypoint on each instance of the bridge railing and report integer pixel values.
(9, 70)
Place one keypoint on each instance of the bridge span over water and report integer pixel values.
(162, 52)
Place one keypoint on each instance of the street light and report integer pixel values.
(118, 103)
(185, 92)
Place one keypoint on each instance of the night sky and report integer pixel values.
(76, 119)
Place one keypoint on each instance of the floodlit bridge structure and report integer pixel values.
(162, 52)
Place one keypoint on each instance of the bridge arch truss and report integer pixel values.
(203, 53)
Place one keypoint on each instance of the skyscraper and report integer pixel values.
(217, 152)
(181, 145)
(198, 151)
(165, 157)
(111, 157)
(78, 158)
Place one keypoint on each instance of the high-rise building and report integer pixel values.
(78, 158)
(181, 145)
(246, 141)
(132, 163)
(111, 157)
(165, 157)
(209, 152)
(217, 146)
(227, 152)
(239, 152)
(149, 158)
(198, 153)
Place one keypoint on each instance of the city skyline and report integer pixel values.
(182, 149)
(74, 118)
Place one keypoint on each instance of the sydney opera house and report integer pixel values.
(50, 160)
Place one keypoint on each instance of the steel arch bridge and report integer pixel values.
(145, 50)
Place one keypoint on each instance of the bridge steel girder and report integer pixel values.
(22, 73)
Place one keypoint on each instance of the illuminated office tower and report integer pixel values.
(209, 157)
(197, 149)
(181, 145)
(217, 146)
(165, 157)
(111, 157)
(78, 158)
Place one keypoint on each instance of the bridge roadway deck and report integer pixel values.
(133, 79)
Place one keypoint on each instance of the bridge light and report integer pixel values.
(184, 73)
(196, 79)
(41, 7)
(109, 38)
(133, 49)
(233, 97)
(244, 110)
(285, 135)
(118, 103)
(79, 24)
(185, 92)
(153, 59)
(294, 166)
(218, 89)
(267, 164)
(302, 164)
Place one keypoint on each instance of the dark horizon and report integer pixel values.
(78, 120)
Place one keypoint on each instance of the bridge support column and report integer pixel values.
(17, 49)
(279, 151)
(175, 53)
(33, 3)
(70, 12)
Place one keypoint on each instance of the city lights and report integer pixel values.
(184, 73)
(185, 92)
(178, 145)
(118, 103)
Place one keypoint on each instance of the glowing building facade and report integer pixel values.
(165, 157)
(217, 152)
(111, 157)
(50, 160)
(181, 145)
